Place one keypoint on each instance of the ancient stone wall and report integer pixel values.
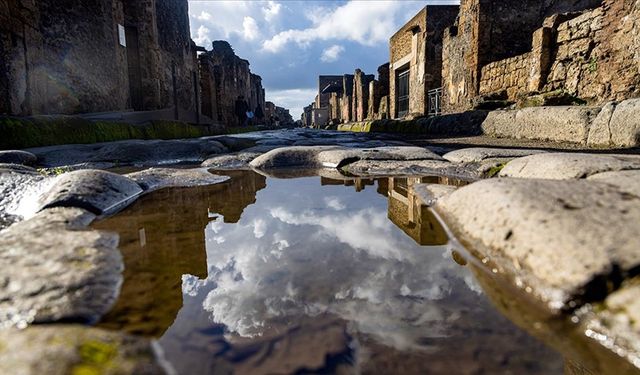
(58, 58)
(417, 47)
(377, 90)
(590, 55)
(510, 74)
(335, 110)
(488, 31)
(361, 95)
(233, 81)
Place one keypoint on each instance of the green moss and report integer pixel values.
(493, 172)
(18, 133)
(593, 65)
(95, 357)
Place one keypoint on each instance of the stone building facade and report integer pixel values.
(96, 56)
(416, 60)
(488, 31)
(379, 95)
(592, 55)
(226, 81)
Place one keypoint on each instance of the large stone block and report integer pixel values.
(625, 124)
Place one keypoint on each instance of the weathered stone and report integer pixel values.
(290, 157)
(96, 191)
(231, 161)
(74, 349)
(235, 143)
(54, 269)
(626, 181)
(335, 157)
(562, 166)
(625, 124)
(158, 178)
(429, 194)
(365, 168)
(599, 132)
(338, 157)
(477, 154)
(562, 240)
(17, 157)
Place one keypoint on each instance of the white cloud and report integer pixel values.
(250, 29)
(294, 99)
(259, 228)
(202, 36)
(332, 53)
(334, 203)
(271, 11)
(365, 22)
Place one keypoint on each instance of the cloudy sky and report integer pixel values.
(290, 43)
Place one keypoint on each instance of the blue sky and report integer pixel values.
(290, 43)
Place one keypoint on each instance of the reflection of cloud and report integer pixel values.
(335, 203)
(365, 230)
(352, 263)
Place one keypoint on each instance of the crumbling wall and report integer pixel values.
(488, 31)
(510, 75)
(335, 111)
(361, 94)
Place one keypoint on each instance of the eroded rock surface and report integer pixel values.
(17, 157)
(71, 349)
(566, 240)
(97, 191)
(158, 178)
(54, 269)
(429, 194)
(562, 166)
(478, 154)
(238, 160)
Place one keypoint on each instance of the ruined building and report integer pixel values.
(98, 56)
(228, 86)
(502, 48)
(416, 60)
(360, 100)
(379, 95)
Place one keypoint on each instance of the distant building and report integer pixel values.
(416, 60)
(96, 56)
(229, 89)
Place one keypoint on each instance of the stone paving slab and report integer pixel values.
(477, 154)
(565, 240)
(77, 350)
(157, 178)
(54, 269)
(560, 166)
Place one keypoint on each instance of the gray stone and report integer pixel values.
(55, 269)
(627, 181)
(290, 157)
(158, 178)
(625, 124)
(96, 191)
(17, 185)
(364, 168)
(477, 154)
(567, 166)
(336, 157)
(18, 157)
(599, 132)
(429, 194)
(238, 160)
(562, 240)
(74, 349)
(234, 143)
(130, 152)
(558, 124)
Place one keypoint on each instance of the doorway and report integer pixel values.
(402, 92)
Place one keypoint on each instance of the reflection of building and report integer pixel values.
(162, 237)
(408, 213)
(359, 183)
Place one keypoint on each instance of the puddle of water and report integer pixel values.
(309, 275)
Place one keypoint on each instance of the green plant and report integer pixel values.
(593, 65)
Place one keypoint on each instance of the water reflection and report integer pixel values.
(162, 238)
(313, 277)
